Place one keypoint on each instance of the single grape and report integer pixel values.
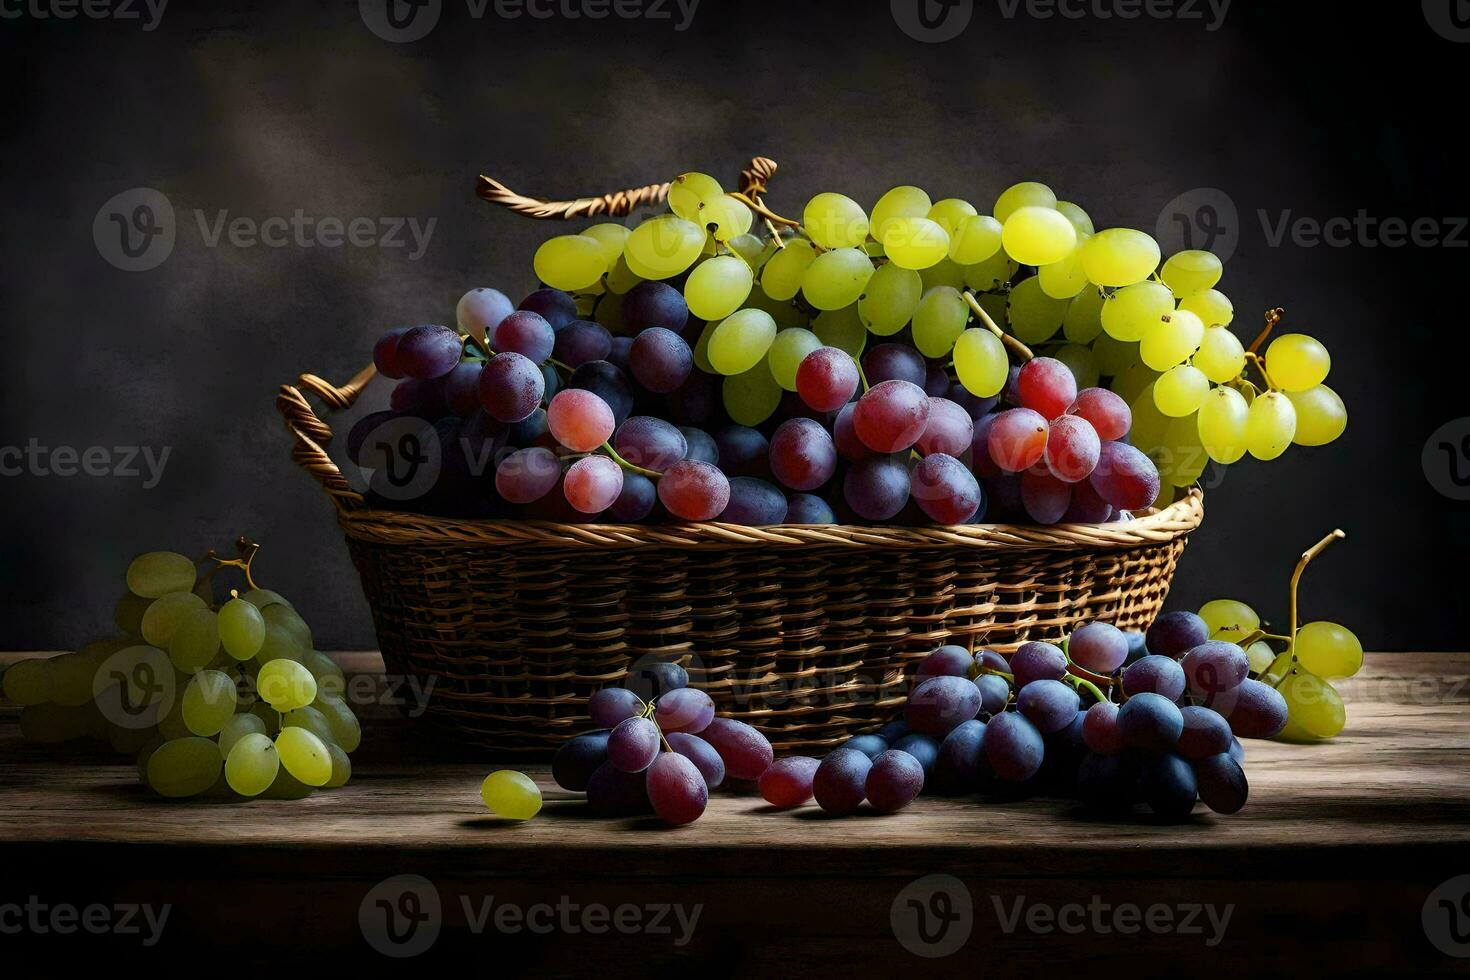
(1169, 787)
(895, 362)
(840, 782)
(976, 239)
(1098, 647)
(635, 501)
(1220, 356)
(1125, 477)
(743, 451)
(702, 754)
(1046, 386)
(752, 397)
(654, 304)
(570, 262)
(428, 352)
(835, 221)
(1192, 271)
(210, 699)
(1047, 704)
(195, 641)
(1173, 634)
(788, 782)
(1329, 650)
(480, 311)
(921, 747)
(346, 730)
(947, 661)
(663, 246)
(686, 709)
(1013, 747)
(945, 490)
(1270, 425)
(747, 753)
(891, 416)
(1320, 416)
(981, 363)
(655, 678)
(890, 300)
(802, 454)
(702, 446)
(694, 490)
(995, 693)
(512, 795)
(1120, 257)
(1038, 235)
(578, 758)
(1215, 666)
(1153, 674)
(876, 488)
(782, 276)
(803, 508)
(1017, 439)
(961, 764)
(1034, 661)
(1172, 340)
(787, 352)
(893, 781)
(1130, 313)
(580, 420)
(157, 573)
(1222, 783)
(939, 704)
(1205, 733)
(950, 430)
(677, 789)
(461, 387)
(183, 767)
(1222, 424)
(939, 320)
(1034, 316)
(612, 705)
(592, 484)
(251, 763)
(1025, 194)
(1297, 362)
(285, 685)
(836, 278)
(162, 617)
(511, 387)
(1181, 391)
(1105, 411)
(385, 353)
(1150, 723)
(581, 341)
(1072, 448)
(650, 442)
(1087, 507)
(1254, 709)
(527, 475)
(826, 379)
(894, 206)
(1100, 729)
(554, 305)
(633, 744)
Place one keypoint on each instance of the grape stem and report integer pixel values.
(1273, 317)
(1084, 684)
(862, 375)
(651, 474)
(1018, 348)
(1296, 577)
(1260, 363)
(247, 549)
(755, 205)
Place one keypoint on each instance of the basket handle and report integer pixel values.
(309, 433)
(753, 181)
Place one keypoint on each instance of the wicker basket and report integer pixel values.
(806, 632)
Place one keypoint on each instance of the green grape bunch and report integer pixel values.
(227, 699)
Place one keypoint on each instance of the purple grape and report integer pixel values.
(613, 705)
(977, 407)
(995, 693)
(614, 793)
(650, 443)
(608, 383)
(893, 781)
(1215, 666)
(511, 387)
(527, 475)
(961, 764)
(1108, 783)
(677, 789)
(1049, 705)
(802, 455)
(803, 508)
(788, 782)
(947, 661)
(633, 744)
(1150, 722)
(577, 759)
(1154, 675)
(1098, 647)
(1176, 633)
(1137, 646)
(1222, 784)
(1100, 729)
(754, 503)
(655, 678)
(893, 731)
(697, 401)
(479, 311)
(940, 704)
(1037, 661)
(844, 436)
(428, 352)
(1087, 507)
(617, 354)
(554, 306)
(581, 341)
(746, 752)
(1169, 787)
(936, 381)
(635, 501)
(894, 362)
(361, 431)
(533, 430)
(462, 388)
(871, 746)
(1236, 751)
(921, 747)
(945, 490)
(840, 783)
(743, 451)
(1125, 477)
(950, 430)
(702, 446)
(1013, 747)
(1045, 498)
(660, 360)
(876, 489)
(525, 333)
(687, 709)
(655, 304)
(420, 398)
(1254, 709)
(385, 353)
(1205, 733)
(990, 660)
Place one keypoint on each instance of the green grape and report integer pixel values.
(237, 728)
(1120, 257)
(835, 221)
(1081, 362)
(1192, 272)
(1212, 307)
(750, 398)
(209, 702)
(663, 246)
(942, 273)
(1181, 390)
(1260, 656)
(991, 274)
(171, 725)
(949, 212)
(512, 795)
(726, 218)
(289, 620)
(136, 684)
(163, 617)
(195, 641)
(286, 685)
(129, 611)
(688, 191)
(346, 730)
(323, 668)
(28, 682)
(717, 287)
(252, 764)
(1173, 340)
(261, 598)
(750, 248)
(1026, 194)
(787, 352)
(1270, 426)
(994, 305)
(1150, 426)
(781, 278)
(184, 767)
(939, 321)
(837, 278)
(741, 340)
(898, 203)
(269, 716)
(1078, 217)
(620, 279)
(280, 644)
(1129, 383)
(1320, 416)
(890, 300)
(1222, 423)
(916, 243)
(73, 675)
(1222, 614)
(1186, 459)
(980, 361)
(1065, 279)
(611, 236)
(304, 756)
(975, 239)
(1329, 650)
(1038, 236)
(1221, 356)
(287, 787)
(341, 767)
(1083, 320)
(1297, 362)
(311, 719)
(1114, 356)
(1035, 317)
(1314, 709)
(1134, 310)
(701, 348)
(570, 262)
(241, 629)
(786, 312)
(158, 573)
(843, 328)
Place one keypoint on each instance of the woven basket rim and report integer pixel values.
(397, 527)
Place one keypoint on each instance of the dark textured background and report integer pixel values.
(265, 108)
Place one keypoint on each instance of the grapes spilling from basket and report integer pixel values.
(854, 366)
(219, 697)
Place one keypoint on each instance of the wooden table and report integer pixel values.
(1327, 869)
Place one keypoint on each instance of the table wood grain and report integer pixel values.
(1330, 863)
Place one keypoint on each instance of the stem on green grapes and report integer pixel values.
(762, 210)
(651, 474)
(1015, 345)
(1011, 678)
(1260, 363)
(1296, 577)
(247, 549)
(1273, 317)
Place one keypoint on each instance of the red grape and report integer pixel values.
(1072, 449)
(525, 333)
(802, 455)
(1100, 729)
(788, 781)
(592, 484)
(893, 781)
(608, 383)
(844, 436)
(1125, 477)
(511, 387)
(747, 753)
(385, 353)
(1035, 660)
(891, 416)
(677, 789)
(950, 430)
(1045, 497)
(1017, 439)
(826, 379)
(579, 420)
(687, 709)
(634, 744)
(1106, 410)
(876, 489)
(612, 705)
(1047, 386)
(694, 490)
(944, 490)
(1099, 647)
(527, 475)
